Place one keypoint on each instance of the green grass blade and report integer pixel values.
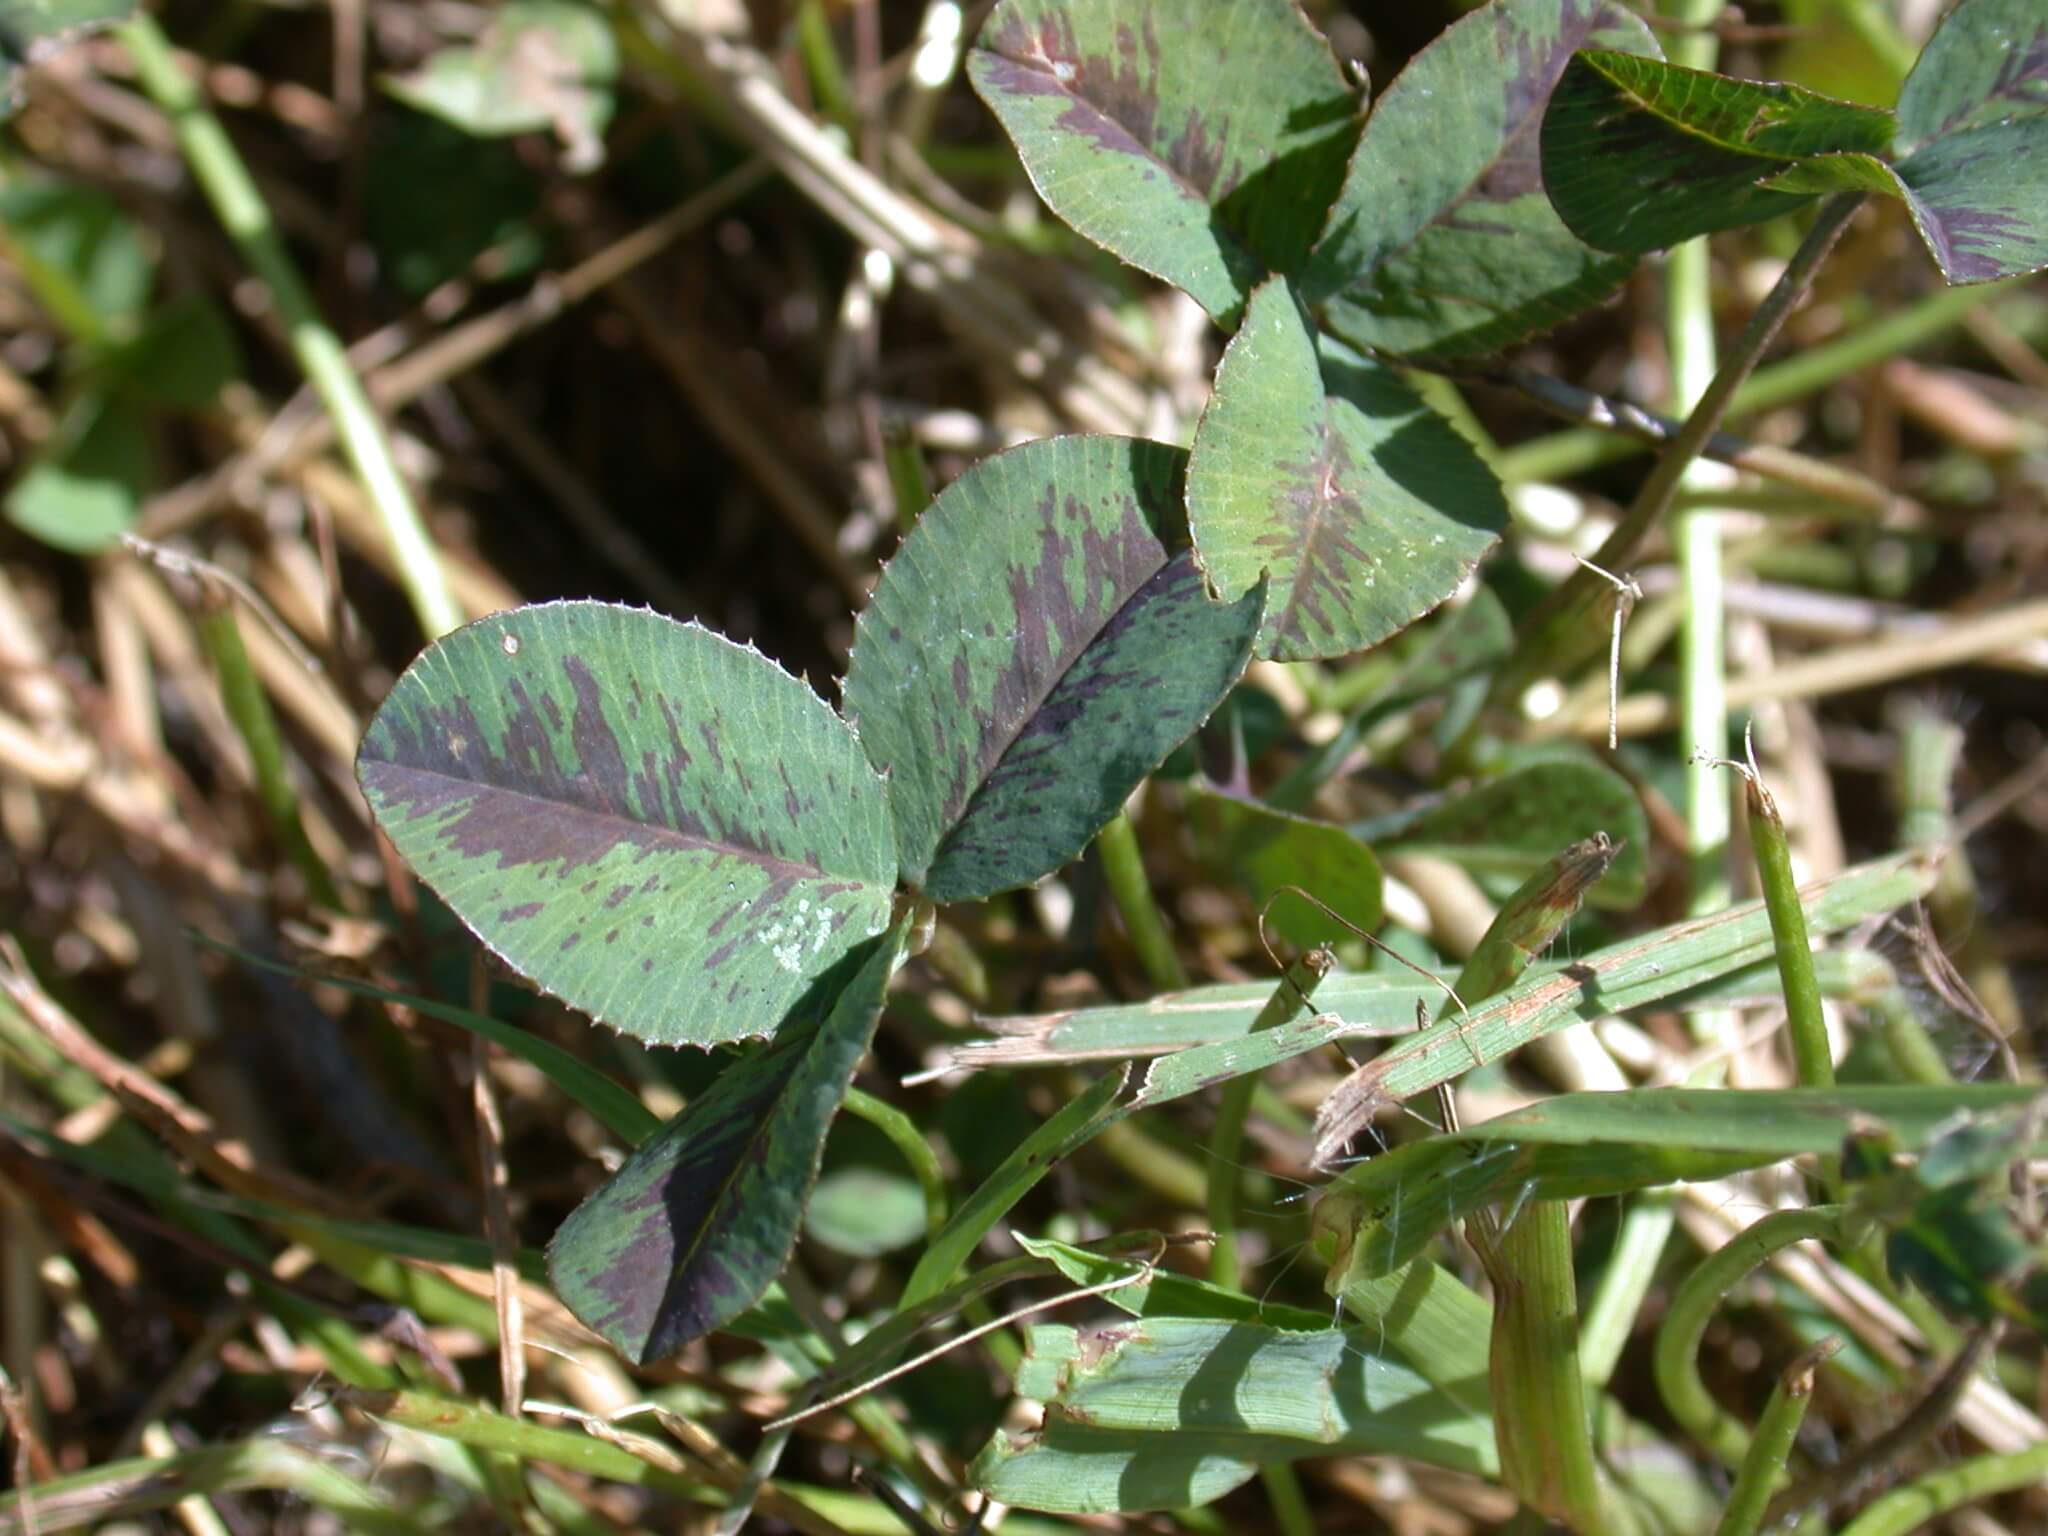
(1635, 973)
(1075, 1124)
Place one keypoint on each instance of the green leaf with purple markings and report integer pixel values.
(1038, 645)
(1442, 242)
(658, 826)
(1265, 850)
(1199, 140)
(1640, 155)
(1973, 130)
(1986, 64)
(1322, 470)
(698, 1222)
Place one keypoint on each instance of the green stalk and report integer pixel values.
(1564, 628)
(1803, 1021)
(1565, 454)
(1285, 1500)
(820, 53)
(1874, 25)
(1539, 1397)
(1763, 1468)
(1123, 865)
(1930, 747)
(1676, 1359)
(905, 1137)
(249, 708)
(1289, 1001)
(1914, 1053)
(1696, 537)
(1917, 1505)
(247, 219)
(910, 483)
(1631, 1269)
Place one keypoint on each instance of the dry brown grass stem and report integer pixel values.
(1956, 643)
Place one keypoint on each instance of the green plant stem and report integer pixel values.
(1289, 1001)
(1539, 1398)
(1763, 1468)
(1930, 747)
(1152, 1164)
(1617, 1298)
(1917, 1505)
(1875, 25)
(905, 1137)
(1803, 1021)
(1564, 627)
(1285, 1501)
(1123, 864)
(910, 483)
(1676, 1359)
(1696, 536)
(1565, 454)
(820, 52)
(319, 352)
(249, 708)
(1914, 1053)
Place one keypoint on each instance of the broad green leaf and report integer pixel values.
(1953, 1226)
(1171, 1412)
(85, 486)
(540, 65)
(1264, 849)
(1640, 155)
(1973, 127)
(1036, 647)
(435, 199)
(1442, 243)
(1987, 63)
(656, 825)
(184, 355)
(1072, 1127)
(865, 1213)
(1324, 473)
(1586, 1144)
(1510, 826)
(33, 30)
(1198, 140)
(1979, 198)
(80, 255)
(691, 1231)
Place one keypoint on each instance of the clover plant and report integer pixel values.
(670, 833)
